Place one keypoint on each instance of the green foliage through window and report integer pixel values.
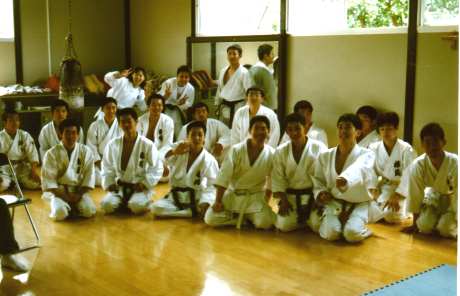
(395, 13)
(377, 13)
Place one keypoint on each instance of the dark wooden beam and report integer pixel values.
(282, 56)
(282, 80)
(127, 20)
(213, 61)
(193, 16)
(18, 42)
(189, 52)
(410, 71)
(283, 17)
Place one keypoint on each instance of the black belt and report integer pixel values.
(181, 206)
(127, 190)
(345, 214)
(231, 105)
(302, 210)
(74, 211)
(176, 108)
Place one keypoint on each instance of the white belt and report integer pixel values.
(245, 193)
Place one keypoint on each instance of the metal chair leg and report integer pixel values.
(32, 223)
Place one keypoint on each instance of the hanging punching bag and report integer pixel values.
(71, 78)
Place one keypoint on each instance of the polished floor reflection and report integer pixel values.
(135, 255)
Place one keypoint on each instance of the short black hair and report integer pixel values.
(60, 103)
(259, 118)
(390, 118)
(236, 47)
(69, 122)
(432, 129)
(9, 112)
(136, 70)
(184, 69)
(352, 118)
(198, 106)
(155, 96)
(196, 124)
(108, 100)
(370, 111)
(127, 112)
(303, 104)
(263, 50)
(294, 118)
(255, 88)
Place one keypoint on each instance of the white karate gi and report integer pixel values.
(178, 93)
(22, 152)
(358, 171)
(58, 171)
(314, 132)
(433, 194)
(163, 133)
(199, 177)
(216, 132)
(391, 170)
(144, 166)
(48, 138)
(124, 92)
(245, 184)
(99, 135)
(372, 137)
(232, 91)
(240, 126)
(288, 174)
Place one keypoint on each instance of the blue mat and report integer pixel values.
(439, 281)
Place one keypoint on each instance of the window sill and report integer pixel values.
(357, 31)
(437, 29)
(379, 31)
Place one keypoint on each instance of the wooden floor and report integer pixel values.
(135, 255)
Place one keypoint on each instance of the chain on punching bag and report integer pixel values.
(71, 78)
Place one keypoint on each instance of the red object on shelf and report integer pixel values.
(52, 83)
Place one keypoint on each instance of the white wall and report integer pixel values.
(7, 63)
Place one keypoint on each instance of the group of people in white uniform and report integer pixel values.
(226, 171)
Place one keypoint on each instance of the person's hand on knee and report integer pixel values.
(393, 202)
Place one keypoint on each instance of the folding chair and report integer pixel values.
(14, 201)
